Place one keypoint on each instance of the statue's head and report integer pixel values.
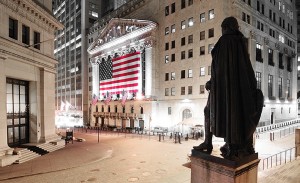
(230, 23)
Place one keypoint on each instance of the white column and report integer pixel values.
(96, 86)
(148, 72)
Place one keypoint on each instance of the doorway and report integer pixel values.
(17, 105)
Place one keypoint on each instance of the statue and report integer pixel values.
(234, 104)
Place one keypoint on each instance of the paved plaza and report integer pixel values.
(120, 158)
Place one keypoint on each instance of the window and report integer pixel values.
(210, 48)
(167, 31)
(169, 110)
(182, 55)
(173, 57)
(280, 58)
(202, 35)
(190, 90)
(270, 57)
(167, 92)
(173, 91)
(190, 40)
(289, 64)
(36, 40)
(183, 24)
(248, 19)
(202, 17)
(173, 44)
(280, 87)
(258, 79)
(260, 26)
(167, 59)
(201, 89)
(173, 8)
(191, 22)
(166, 46)
(210, 33)
(202, 71)
(211, 14)
(288, 88)
(258, 6)
(167, 11)
(182, 90)
(190, 73)
(182, 41)
(182, 4)
(270, 85)
(182, 74)
(202, 50)
(172, 75)
(13, 28)
(209, 70)
(249, 2)
(272, 32)
(244, 17)
(190, 2)
(258, 53)
(173, 28)
(263, 9)
(166, 76)
(25, 34)
(190, 53)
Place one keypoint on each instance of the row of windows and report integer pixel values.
(271, 83)
(116, 109)
(271, 58)
(13, 33)
(172, 75)
(171, 91)
(190, 53)
(211, 15)
(173, 7)
(190, 39)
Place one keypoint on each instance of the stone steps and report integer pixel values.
(26, 155)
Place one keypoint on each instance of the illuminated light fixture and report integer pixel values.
(186, 100)
(74, 70)
(139, 96)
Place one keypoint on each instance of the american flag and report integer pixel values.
(120, 73)
(124, 97)
(108, 98)
(94, 100)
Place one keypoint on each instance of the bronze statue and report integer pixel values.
(234, 104)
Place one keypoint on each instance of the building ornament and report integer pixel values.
(277, 46)
(285, 50)
(266, 41)
(34, 13)
(253, 35)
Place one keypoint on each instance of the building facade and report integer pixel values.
(171, 87)
(70, 51)
(27, 73)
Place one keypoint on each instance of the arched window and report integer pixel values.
(186, 113)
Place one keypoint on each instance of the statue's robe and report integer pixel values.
(235, 103)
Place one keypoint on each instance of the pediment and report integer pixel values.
(118, 30)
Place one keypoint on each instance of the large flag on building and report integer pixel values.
(121, 73)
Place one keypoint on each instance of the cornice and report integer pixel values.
(25, 55)
(34, 13)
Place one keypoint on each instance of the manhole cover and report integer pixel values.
(92, 179)
(160, 171)
(146, 174)
(133, 179)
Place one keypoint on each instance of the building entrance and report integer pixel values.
(17, 105)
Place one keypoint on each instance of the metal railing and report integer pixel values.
(280, 158)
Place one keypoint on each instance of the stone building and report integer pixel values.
(180, 59)
(27, 69)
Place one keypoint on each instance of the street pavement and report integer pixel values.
(120, 158)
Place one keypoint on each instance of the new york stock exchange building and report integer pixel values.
(125, 81)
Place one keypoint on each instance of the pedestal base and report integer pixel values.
(207, 168)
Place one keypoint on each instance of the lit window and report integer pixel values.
(167, 59)
(173, 91)
(202, 71)
(173, 28)
(167, 31)
(172, 75)
(183, 24)
(190, 73)
(191, 22)
(211, 14)
(202, 17)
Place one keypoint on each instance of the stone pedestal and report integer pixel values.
(297, 141)
(207, 168)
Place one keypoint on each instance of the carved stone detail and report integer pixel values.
(277, 46)
(266, 41)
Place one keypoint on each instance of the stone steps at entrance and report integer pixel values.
(26, 155)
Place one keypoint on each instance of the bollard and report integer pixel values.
(175, 138)
(159, 137)
(179, 138)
